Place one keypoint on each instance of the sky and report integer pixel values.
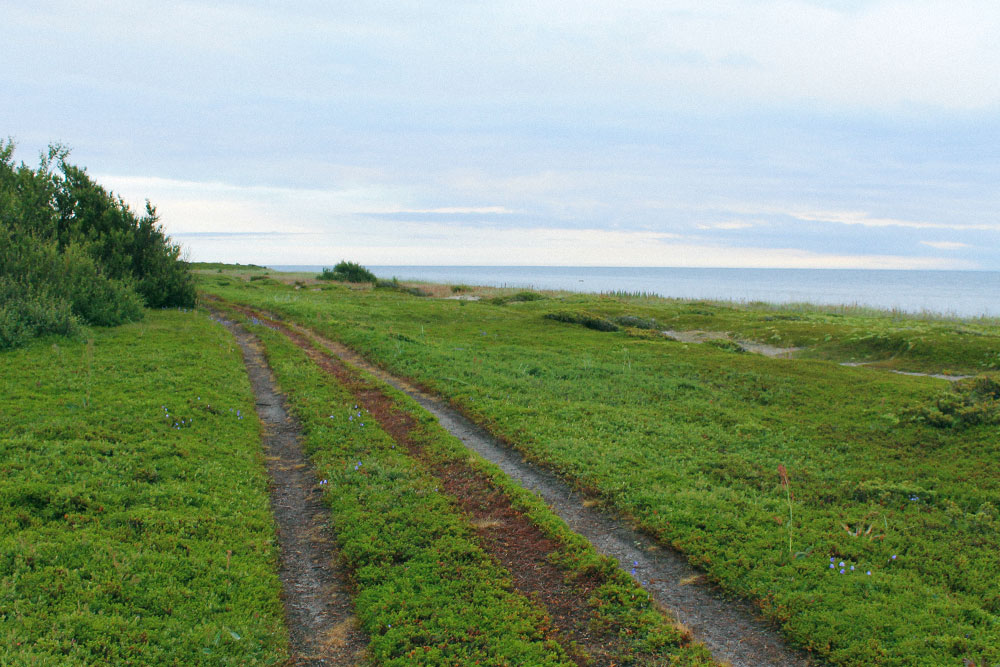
(750, 133)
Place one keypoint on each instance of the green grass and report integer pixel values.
(427, 593)
(686, 439)
(134, 518)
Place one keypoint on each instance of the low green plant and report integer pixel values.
(970, 402)
(586, 319)
(134, 515)
(685, 439)
(417, 562)
(637, 322)
(349, 272)
(516, 297)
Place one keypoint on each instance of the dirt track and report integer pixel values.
(731, 629)
(318, 609)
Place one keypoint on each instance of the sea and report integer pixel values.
(964, 294)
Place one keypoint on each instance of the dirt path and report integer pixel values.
(318, 609)
(730, 628)
(697, 336)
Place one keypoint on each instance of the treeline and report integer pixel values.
(72, 253)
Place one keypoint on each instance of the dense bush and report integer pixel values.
(72, 253)
(348, 272)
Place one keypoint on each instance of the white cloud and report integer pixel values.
(946, 245)
(862, 218)
(394, 243)
(730, 225)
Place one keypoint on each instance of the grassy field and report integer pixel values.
(134, 517)
(883, 546)
(427, 593)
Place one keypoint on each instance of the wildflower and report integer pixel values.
(841, 570)
(841, 563)
(852, 568)
(832, 566)
(869, 573)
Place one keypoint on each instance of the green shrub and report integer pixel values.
(394, 284)
(586, 319)
(525, 295)
(348, 272)
(969, 402)
(638, 322)
(71, 253)
(725, 344)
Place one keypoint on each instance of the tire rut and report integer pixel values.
(732, 629)
(319, 612)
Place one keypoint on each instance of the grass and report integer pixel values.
(687, 439)
(134, 519)
(426, 591)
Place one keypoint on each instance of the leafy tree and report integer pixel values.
(72, 253)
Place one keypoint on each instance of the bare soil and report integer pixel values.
(732, 629)
(319, 612)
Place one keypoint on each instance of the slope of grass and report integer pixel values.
(134, 519)
(687, 439)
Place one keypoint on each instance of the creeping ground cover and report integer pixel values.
(427, 591)
(134, 517)
(856, 507)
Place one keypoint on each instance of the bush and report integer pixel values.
(970, 402)
(586, 319)
(72, 253)
(394, 284)
(522, 296)
(348, 272)
(638, 322)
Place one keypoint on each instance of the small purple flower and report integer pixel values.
(832, 566)
(841, 570)
(869, 573)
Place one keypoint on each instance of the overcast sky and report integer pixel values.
(758, 133)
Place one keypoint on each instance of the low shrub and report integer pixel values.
(725, 344)
(586, 319)
(969, 402)
(638, 322)
(526, 295)
(394, 284)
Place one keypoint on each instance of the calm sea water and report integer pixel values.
(959, 293)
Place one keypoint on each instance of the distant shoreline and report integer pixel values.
(958, 294)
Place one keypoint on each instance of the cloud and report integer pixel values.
(440, 244)
(862, 218)
(731, 225)
(946, 245)
(450, 210)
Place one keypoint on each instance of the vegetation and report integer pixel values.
(895, 547)
(72, 253)
(348, 272)
(134, 517)
(427, 593)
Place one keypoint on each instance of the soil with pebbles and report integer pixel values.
(732, 629)
(319, 612)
